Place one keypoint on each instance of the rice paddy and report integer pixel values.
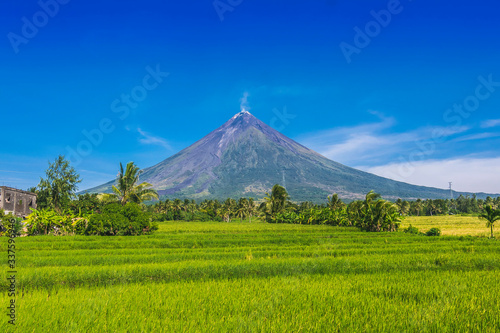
(258, 277)
(451, 225)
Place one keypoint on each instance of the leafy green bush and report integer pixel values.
(7, 227)
(161, 217)
(106, 224)
(411, 230)
(86, 204)
(197, 216)
(16, 228)
(433, 232)
(120, 220)
(3, 228)
(140, 221)
(46, 221)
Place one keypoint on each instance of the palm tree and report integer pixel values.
(167, 205)
(488, 201)
(208, 207)
(241, 209)
(374, 213)
(158, 207)
(418, 206)
(306, 205)
(433, 207)
(367, 209)
(354, 212)
(224, 213)
(385, 216)
(491, 216)
(177, 206)
(128, 189)
(250, 209)
(405, 209)
(334, 202)
(229, 208)
(275, 203)
(399, 203)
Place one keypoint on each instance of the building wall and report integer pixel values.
(16, 201)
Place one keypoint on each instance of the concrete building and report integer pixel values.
(16, 201)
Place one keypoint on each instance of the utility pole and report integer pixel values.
(451, 196)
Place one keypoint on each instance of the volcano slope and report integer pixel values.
(245, 158)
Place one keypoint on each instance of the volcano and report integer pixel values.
(245, 158)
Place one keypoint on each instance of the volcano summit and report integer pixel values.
(245, 157)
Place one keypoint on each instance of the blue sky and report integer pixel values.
(405, 89)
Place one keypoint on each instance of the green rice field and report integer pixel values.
(258, 277)
(452, 225)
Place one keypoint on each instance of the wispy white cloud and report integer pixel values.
(16, 171)
(372, 142)
(149, 139)
(478, 136)
(490, 123)
(21, 183)
(468, 174)
(339, 143)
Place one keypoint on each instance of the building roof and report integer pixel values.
(17, 190)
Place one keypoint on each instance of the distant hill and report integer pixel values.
(245, 157)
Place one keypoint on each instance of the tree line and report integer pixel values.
(461, 205)
(124, 211)
(371, 214)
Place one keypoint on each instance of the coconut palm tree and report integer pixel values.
(374, 213)
(167, 205)
(128, 189)
(405, 209)
(354, 212)
(334, 202)
(229, 208)
(158, 207)
(241, 209)
(385, 216)
(418, 206)
(491, 216)
(224, 213)
(250, 209)
(177, 206)
(274, 203)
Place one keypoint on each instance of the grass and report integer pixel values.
(220, 277)
(452, 225)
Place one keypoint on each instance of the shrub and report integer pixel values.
(3, 229)
(198, 216)
(106, 224)
(47, 221)
(140, 222)
(433, 232)
(86, 204)
(411, 230)
(7, 227)
(161, 217)
(80, 225)
(120, 220)
(16, 228)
